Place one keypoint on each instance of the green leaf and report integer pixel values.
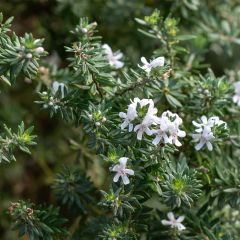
(173, 101)
(185, 37)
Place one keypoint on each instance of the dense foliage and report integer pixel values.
(138, 143)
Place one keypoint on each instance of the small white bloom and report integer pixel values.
(161, 133)
(113, 57)
(175, 132)
(55, 87)
(147, 66)
(168, 130)
(148, 120)
(217, 121)
(204, 135)
(122, 171)
(204, 138)
(173, 117)
(200, 126)
(236, 97)
(143, 127)
(174, 223)
(130, 115)
(208, 122)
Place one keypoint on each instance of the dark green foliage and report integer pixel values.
(117, 230)
(74, 189)
(37, 222)
(18, 54)
(9, 141)
(181, 186)
(227, 184)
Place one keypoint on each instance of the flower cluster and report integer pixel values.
(168, 129)
(204, 133)
(143, 113)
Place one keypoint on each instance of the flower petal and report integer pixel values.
(209, 146)
(123, 161)
(200, 145)
(139, 135)
(125, 180)
(156, 140)
(166, 223)
(116, 177)
(171, 216)
(129, 172)
(144, 60)
(180, 219)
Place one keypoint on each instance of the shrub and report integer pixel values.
(137, 143)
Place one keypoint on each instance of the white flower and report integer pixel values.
(175, 132)
(130, 115)
(204, 134)
(161, 133)
(55, 87)
(148, 120)
(217, 121)
(236, 97)
(208, 122)
(204, 138)
(173, 117)
(168, 131)
(147, 66)
(200, 126)
(174, 223)
(122, 171)
(144, 127)
(113, 57)
(143, 113)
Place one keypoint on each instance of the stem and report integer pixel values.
(139, 83)
(98, 87)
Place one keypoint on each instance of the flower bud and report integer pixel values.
(97, 124)
(39, 50)
(104, 119)
(84, 30)
(29, 55)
